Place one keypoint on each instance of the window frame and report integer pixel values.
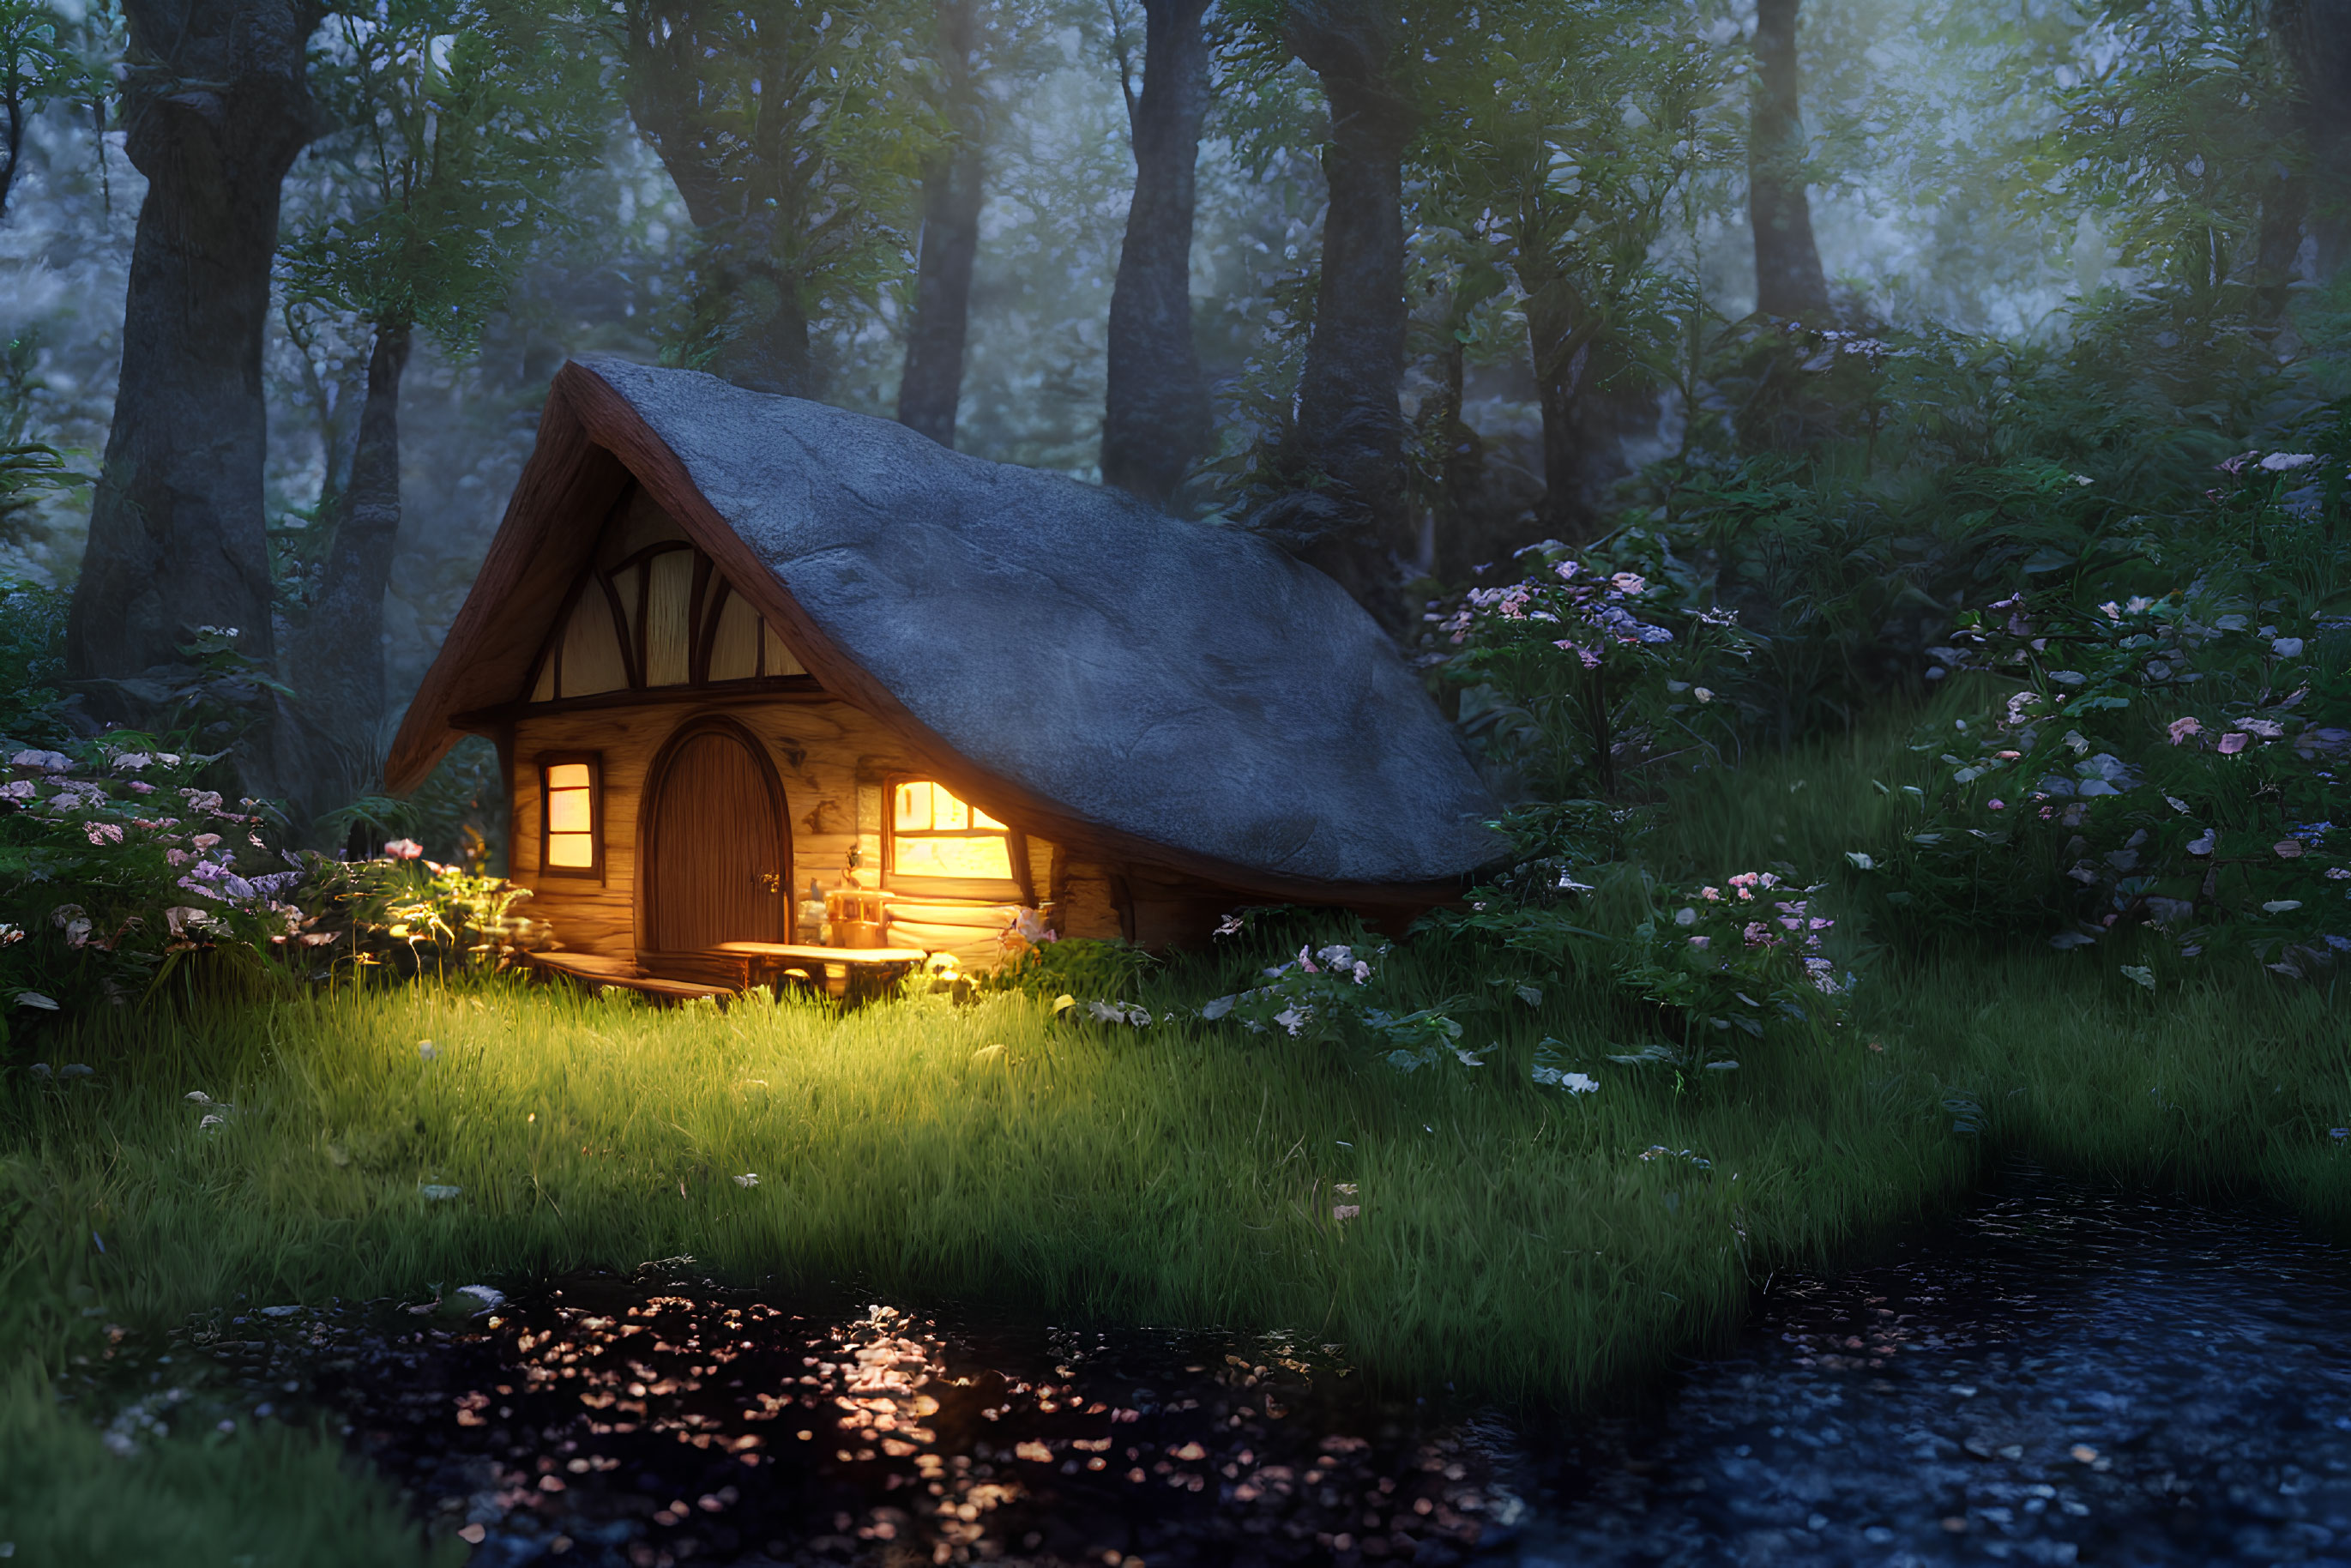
(546, 762)
(996, 890)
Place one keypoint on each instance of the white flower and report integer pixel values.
(2279, 462)
(748, 1178)
(1702, 694)
(1294, 1018)
(1685, 916)
(1362, 971)
(1574, 1083)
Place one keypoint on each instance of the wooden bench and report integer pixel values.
(596, 973)
(867, 973)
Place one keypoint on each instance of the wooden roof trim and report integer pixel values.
(584, 413)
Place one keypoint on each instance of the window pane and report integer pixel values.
(980, 819)
(912, 811)
(973, 857)
(570, 850)
(948, 815)
(567, 776)
(567, 811)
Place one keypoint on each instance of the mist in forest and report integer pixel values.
(1968, 169)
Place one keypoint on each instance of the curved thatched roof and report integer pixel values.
(1168, 690)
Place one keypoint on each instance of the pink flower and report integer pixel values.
(2232, 743)
(1711, 894)
(1701, 943)
(1306, 961)
(403, 849)
(1996, 804)
(2179, 729)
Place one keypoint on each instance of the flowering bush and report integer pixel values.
(2170, 762)
(1584, 665)
(407, 915)
(1327, 994)
(1746, 957)
(117, 866)
(114, 862)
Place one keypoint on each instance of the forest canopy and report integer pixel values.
(1819, 299)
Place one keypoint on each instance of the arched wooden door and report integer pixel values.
(716, 845)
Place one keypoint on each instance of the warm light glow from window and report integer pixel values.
(934, 834)
(570, 816)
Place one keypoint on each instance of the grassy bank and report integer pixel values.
(1519, 1242)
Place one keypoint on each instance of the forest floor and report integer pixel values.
(1526, 1246)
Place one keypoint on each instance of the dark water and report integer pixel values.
(2062, 1375)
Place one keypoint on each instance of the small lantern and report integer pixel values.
(858, 916)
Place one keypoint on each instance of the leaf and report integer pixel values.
(2140, 974)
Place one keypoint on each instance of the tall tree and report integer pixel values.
(1788, 278)
(1572, 177)
(2316, 37)
(1155, 413)
(1350, 430)
(459, 118)
(954, 179)
(35, 66)
(215, 104)
(787, 131)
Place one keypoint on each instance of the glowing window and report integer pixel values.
(568, 841)
(936, 837)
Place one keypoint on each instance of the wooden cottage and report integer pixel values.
(724, 639)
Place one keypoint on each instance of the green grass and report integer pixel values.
(1512, 1241)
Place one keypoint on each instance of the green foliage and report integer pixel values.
(799, 150)
(1087, 969)
(115, 864)
(1588, 663)
(32, 662)
(459, 119)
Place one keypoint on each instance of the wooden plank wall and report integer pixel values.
(833, 760)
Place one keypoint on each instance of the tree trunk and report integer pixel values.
(1560, 330)
(216, 107)
(2316, 35)
(1788, 278)
(12, 143)
(748, 313)
(1155, 417)
(338, 673)
(1350, 425)
(931, 383)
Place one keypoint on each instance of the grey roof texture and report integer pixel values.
(1186, 684)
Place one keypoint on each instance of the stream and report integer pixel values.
(2062, 1373)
